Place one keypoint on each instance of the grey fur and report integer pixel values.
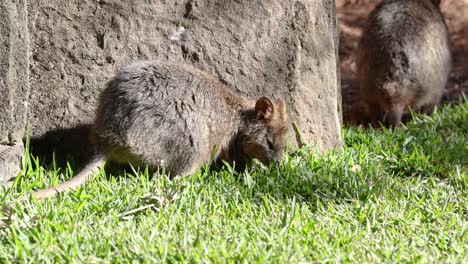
(403, 59)
(153, 113)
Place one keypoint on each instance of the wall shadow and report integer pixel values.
(73, 146)
(64, 145)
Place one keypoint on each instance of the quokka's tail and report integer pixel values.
(91, 169)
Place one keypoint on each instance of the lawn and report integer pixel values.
(389, 196)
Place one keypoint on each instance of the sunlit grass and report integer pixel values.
(394, 196)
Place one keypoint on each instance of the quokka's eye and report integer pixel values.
(270, 143)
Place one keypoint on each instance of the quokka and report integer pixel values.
(177, 116)
(403, 60)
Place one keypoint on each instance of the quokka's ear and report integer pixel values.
(281, 109)
(264, 109)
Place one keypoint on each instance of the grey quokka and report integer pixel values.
(177, 116)
(403, 59)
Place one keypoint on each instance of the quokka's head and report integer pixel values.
(264, 135)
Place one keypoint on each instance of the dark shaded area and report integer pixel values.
(73, 146)
(70, 145)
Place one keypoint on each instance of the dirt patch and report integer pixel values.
(352, 15)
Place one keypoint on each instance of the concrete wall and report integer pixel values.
(14, 84)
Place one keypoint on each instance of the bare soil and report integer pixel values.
(352, 15)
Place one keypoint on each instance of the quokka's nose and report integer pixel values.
(277, 162)
(278, 159)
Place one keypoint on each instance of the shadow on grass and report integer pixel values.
(62, 146)
(427, 146)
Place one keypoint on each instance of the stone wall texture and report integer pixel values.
(259, 47)
(14, 84)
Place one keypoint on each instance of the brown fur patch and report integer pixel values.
(280, 116)
(279, 121)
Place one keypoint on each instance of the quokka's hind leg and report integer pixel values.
(187, 170)
(393, 117)
(372, 114)
(427, 109)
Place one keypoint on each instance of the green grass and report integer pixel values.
(388, 196)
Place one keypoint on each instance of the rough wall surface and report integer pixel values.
(275, 48)
(14, 84)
